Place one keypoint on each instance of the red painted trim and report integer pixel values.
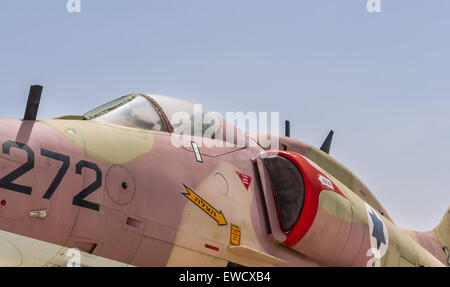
(212, 247)
(313, 187)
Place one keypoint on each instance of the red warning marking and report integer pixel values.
(212, 247)
(246, 180)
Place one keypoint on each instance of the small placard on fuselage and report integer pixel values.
(326, 182)
(198, 156)
(235, 235)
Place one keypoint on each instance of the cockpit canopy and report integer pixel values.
(131, 111)
(158, 113)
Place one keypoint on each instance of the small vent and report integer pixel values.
(133, 222)
(87, 247)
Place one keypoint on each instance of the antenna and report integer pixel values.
(287, 128)
(327, 143)
(34, 98)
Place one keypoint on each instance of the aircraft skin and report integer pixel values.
(127, 196)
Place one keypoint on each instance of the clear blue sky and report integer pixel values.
(380, 80)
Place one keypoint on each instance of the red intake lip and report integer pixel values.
(315, 181)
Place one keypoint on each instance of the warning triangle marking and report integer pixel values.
(246, 180)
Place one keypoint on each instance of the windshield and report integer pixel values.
(135, 111)
(189, 119)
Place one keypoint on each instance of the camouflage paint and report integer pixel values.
(145, 220)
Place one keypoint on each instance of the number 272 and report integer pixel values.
(6, 182)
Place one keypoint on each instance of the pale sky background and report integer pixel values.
(380, 80)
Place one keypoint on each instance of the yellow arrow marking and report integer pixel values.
(205, 206)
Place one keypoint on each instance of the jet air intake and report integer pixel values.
(300, 199)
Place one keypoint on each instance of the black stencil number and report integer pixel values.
(7, 181)
(62, 171)
(79, 198)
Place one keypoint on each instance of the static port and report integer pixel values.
(124, 185)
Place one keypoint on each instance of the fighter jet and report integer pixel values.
(112, 187)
